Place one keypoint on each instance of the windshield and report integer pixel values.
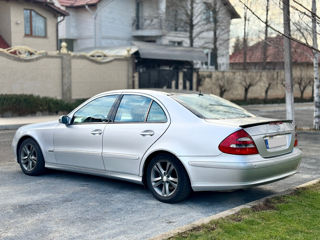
(211, 107)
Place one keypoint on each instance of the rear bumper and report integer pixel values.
(225, 172)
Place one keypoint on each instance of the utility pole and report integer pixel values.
(265, 44)
(287, 61)
(215, 33)
(245, 40)
(316, 118)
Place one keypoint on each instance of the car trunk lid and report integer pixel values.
(272, 137)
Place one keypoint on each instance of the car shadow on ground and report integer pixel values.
(196, 198)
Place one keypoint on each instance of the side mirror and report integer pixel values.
(65, 120)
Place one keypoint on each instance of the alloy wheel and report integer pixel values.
(164, 178)
(28, 157)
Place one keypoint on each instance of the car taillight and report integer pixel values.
(295, 140)
(239, 143)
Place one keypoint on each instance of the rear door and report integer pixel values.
(138, 122)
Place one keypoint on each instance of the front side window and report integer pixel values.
(34, 24)
(133, 108)
(96, 111)
(211, 107)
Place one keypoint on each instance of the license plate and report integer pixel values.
(276, 141)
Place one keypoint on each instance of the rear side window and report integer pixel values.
(156, 114)
(211, 107)
(133, 108)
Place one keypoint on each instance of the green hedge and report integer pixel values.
(22, 104)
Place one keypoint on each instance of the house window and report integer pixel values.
(34, 24)
(208, 13)
(211, 59)
(139, 14)
(175, 43)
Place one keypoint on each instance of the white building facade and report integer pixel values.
(97, 24)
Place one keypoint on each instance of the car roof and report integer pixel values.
(153, 92)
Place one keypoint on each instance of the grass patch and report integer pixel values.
(23, 104)
(294, 216)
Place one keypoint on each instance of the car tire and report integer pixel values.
(167, 179)
(30, 158)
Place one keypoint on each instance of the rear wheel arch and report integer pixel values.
(155, 154)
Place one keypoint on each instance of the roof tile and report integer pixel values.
(300, 53)
(77, 3)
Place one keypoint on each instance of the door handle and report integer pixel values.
(147, 133)
(96, 132)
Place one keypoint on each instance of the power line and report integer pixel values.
(306, 26)
(276, 30)
(301, 5)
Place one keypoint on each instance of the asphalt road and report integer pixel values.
(62, 205)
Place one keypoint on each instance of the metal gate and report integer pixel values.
(157, 78)
(162, 78)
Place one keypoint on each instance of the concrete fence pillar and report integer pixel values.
(136, 80)
(173, 84)
(66, 83)
(194, 81)
(180, 81)
(131, 78)
(187, 85)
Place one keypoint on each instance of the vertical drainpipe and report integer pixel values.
(57, 31)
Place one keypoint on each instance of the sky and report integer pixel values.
(256, 28)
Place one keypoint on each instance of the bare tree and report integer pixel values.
(185, 16)
(212, 21)
(316, 120)
(270, 79)
(265, 43)
(214, 12)
(224, 81)
(237, 46)
(306, 31)
(245, 38)
(249, 80)
(302, 79)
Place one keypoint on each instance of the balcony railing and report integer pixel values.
(147, 23)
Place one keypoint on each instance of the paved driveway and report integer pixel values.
(61, 205)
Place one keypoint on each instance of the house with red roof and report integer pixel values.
(29, 23)
(301, 55)
(96, 24)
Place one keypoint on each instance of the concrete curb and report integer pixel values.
(229, 212)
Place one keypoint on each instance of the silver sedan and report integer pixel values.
(174, 143)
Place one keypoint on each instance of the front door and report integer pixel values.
(138, 123)
(80, 144)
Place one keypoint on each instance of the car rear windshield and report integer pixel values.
(210, 106)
